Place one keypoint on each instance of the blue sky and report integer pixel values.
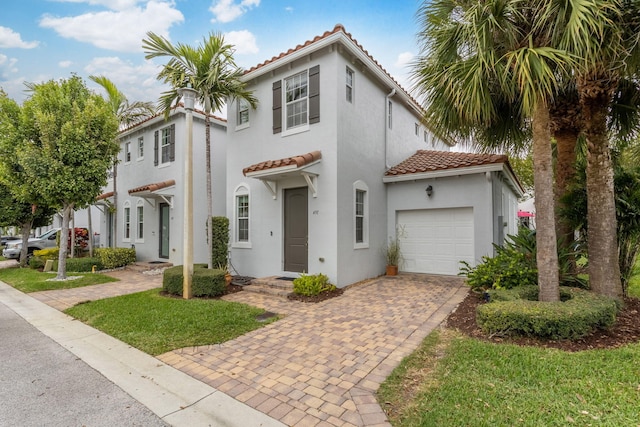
(50, 39)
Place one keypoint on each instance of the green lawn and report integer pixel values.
(28, 280)
(455, 380)
(156, 324)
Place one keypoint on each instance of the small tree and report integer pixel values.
(69, 145)
(219, 240)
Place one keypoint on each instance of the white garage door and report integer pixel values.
(436, 240)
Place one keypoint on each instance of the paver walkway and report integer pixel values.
(322, 364)
(130, 282)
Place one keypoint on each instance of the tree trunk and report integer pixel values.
(207, 126)
(25, 228)
(64, 239)
(566, 142)
(604, 267)
(547, 251)
(114, 237)
(72, 235)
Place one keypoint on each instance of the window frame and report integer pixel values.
(360, 187)
(243, 109)
(241, 192)
(140, 221)
(349, 85)
(140, 148)
(127, 152)
(303, 100)
(165, 136)
(126, 222)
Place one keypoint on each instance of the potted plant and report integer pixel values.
(227, 275)
(392, 256)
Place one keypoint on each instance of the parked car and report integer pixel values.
(46, 240)
(6, 239)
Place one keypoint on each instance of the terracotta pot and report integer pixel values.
(392, 270)
(227, 279)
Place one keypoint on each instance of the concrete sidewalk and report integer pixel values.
(175, 397)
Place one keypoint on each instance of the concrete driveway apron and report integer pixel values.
(322, 364)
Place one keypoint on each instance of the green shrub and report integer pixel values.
(82, 264)
(220, 240)
(115, 257)
(206, 282)
(47, 253)
(36, 262)
(310, 285)
(518, 312)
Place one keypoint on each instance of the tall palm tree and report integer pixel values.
(606, 45)
(211, 70)
(481, 60)
(128, 113)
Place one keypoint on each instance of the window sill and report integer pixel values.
(243, 126)
(295, 130)
(163, 165)
(242, 245)
(361, 246)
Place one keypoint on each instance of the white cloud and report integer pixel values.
(228, 10)
(244, 41)
(10, 39)
(65, 64)
(403, 59)
(137, 82)
(7, 66)
(111, 4)
(122, 30)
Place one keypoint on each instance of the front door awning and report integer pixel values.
(272, 171)
(151, 192)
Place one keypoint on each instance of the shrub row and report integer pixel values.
(206, 282)
(115, 257)
(310, 285)
(517, 311)
(47, 253)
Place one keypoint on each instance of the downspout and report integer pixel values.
(386, 128)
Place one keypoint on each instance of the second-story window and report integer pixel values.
(127, 151)
(243, 112)
(296, 96)
(349, 84)
(141, 148)
(164, 147)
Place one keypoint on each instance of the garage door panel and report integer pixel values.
(436, 240)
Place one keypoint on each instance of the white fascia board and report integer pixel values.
(270, 172)
(444, 173)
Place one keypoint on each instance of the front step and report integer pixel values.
(142, 266)
(270, 286)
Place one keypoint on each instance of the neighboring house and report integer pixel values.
(150, 186)
(306, 185)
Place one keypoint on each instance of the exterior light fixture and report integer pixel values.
(429, 191)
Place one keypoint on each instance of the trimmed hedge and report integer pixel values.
(206, 282)
(517, 311)
(81, 264)
(115, 257)
(220, 240)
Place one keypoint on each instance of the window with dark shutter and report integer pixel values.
(156, 144)
(277, 106)
(314, 94)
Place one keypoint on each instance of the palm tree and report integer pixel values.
(211, 70)
(606, 44)
(481, 60)
(127, 114)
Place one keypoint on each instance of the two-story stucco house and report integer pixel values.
(150, 184)
(326, 169)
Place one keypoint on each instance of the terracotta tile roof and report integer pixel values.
(339, 28)
(430, 160)
(298, 161)
(105, 195)
(153, 187)
(180, 104)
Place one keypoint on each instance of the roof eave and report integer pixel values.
(442, 173)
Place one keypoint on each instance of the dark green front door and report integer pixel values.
(296, 230)
(164, 230)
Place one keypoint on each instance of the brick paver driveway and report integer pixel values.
(322, 363)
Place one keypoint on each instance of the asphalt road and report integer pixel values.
(43, 384)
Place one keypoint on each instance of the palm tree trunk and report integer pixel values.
(546, 242)
(565, 173)
(207, 126)
(604, 268)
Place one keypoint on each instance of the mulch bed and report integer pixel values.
(322, 296)
(625, 330)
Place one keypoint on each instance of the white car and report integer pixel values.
(46, 240)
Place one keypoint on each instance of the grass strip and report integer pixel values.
(28, 280)
(475, 383)
(156, 324)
